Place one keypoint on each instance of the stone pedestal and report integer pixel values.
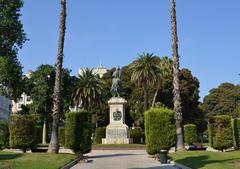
(117, 130)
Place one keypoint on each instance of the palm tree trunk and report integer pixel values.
(54, 145)
(176, 87)
(145, 97)
(155, 96)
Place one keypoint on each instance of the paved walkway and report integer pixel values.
(120, 159)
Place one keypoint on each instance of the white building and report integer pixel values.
(5, 108)
(99, 70)
(23, 100)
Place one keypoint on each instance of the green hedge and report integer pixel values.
(137, 134)
(190, 134)
(4, 134)
(220, 132)
(238, 127)
(38, 134)
(210, 135)
(100, 133)
(22, 132)
(78, 132)
(61, 136)
(160, 130)
(235, 134)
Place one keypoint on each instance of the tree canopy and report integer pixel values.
(11, 40)
(224, 100)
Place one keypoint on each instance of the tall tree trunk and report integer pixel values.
(155, 95)
(54, 145)
(145, 97)
(44, 132)
(176, 87)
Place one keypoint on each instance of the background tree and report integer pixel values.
(40, 88)
(11, 40)
(224, 100)
(145, 72)
(176, 85)
(54, 145)
(165, 70)
(89, 90)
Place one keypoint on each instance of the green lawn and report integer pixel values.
(208, 160)
(34, 160)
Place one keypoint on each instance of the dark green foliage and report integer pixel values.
(22, 132)
(61, 136)
(238, 127)
(100, 133)
(4, 134)
(11, 40)
(210, 134)
(221, 132)
(160, 130)
(38, 134)
(235, 134)
(137, 134)
(78, 132)
(224, 100)
(190, 134)
(189, 86)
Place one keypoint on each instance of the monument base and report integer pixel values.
(117, 134)
(117, 141)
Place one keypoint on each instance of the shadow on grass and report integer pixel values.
(201, 161)
(9, 156)
(111, 155)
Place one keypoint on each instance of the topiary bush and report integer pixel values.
(235, 134)
(100, 133)
(137, 134)
(22, 132)
(220, 132)
(4, 134)
(190, 134)
(38, 134)
(210, 135)
(61, 136)
(78, 132)
(160, 130)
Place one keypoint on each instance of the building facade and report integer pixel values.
(99, 71)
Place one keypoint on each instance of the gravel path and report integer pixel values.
(120, 159)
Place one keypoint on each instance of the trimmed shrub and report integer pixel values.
(160, 130)
(4, 134)
(100, 133)
(61, 136)
(210, 135)
(78, 132)
(235, 134)
(38, 134)
(22, 132)
(190, 134)
(137, 134)
(221, 132)
(238, 127)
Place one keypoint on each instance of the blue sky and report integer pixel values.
(116, 31)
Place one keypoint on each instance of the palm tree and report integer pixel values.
(54, 145)
(145, 72)
(89, 89)
(176, 86)
(165, 70)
